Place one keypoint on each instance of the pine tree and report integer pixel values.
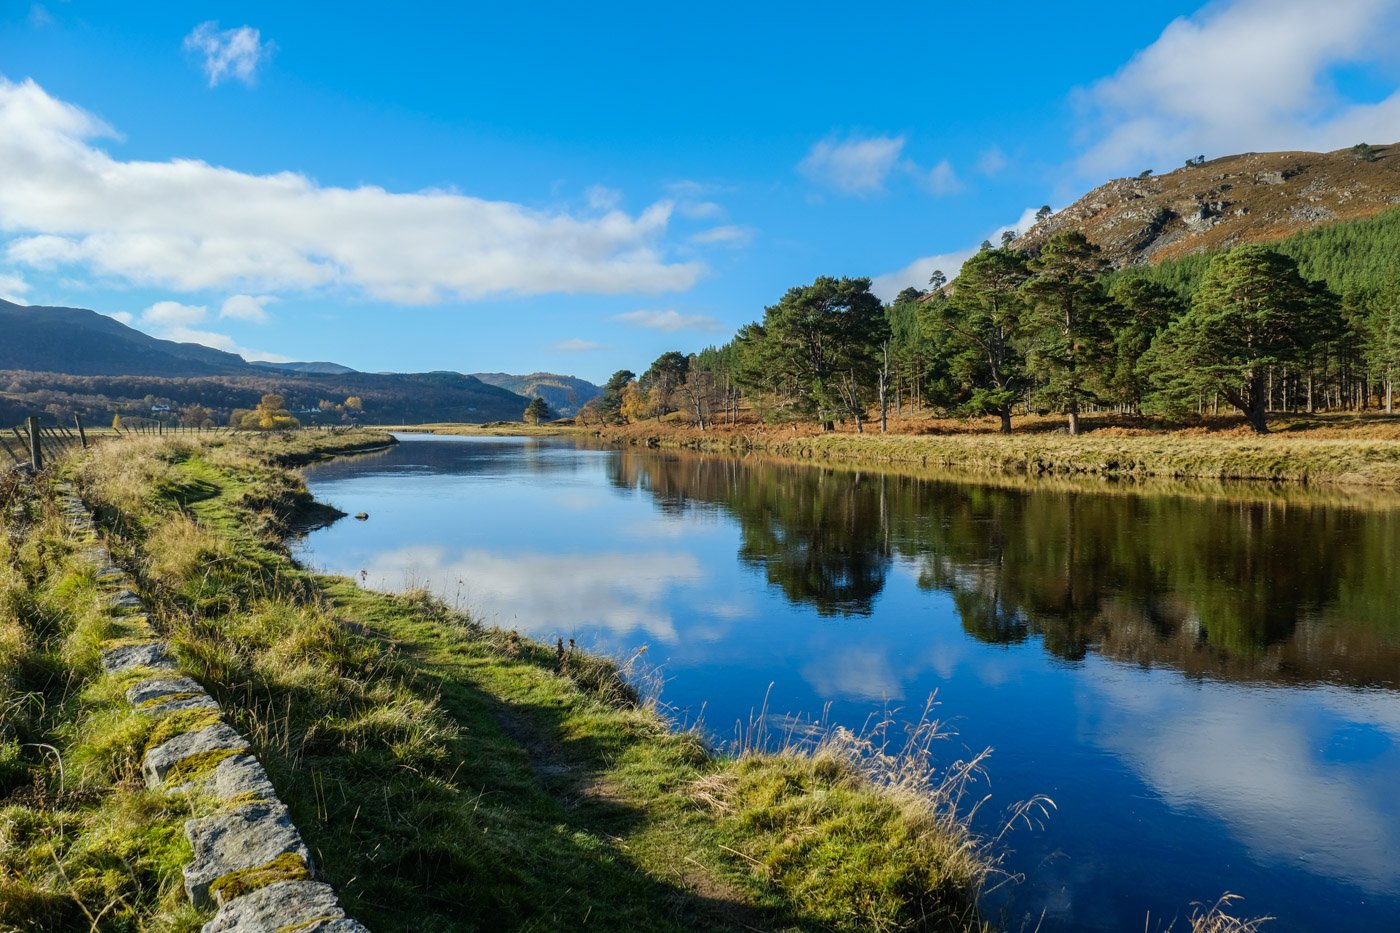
(1069, 322)
(1253, 311)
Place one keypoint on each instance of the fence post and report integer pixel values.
(82, 435)
(36, 451)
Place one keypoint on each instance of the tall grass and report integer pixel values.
(83, 845)
(493, 782)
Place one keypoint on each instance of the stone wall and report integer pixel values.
(250, 863)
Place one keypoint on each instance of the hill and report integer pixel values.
(1205, 206)
(316, 367)
(565, 394)
(82, 342)
(67, 360)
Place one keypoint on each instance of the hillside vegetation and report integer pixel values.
(62, 361)
(565, 395)
(1206, 206)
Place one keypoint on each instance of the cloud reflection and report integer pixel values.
(1249, 755)
(541, 594)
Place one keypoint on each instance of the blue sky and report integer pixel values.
(579, 188)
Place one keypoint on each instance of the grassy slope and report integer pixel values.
(83, 843)
(482, 779)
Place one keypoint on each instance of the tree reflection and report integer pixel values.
(1212, 586)
(821, 538)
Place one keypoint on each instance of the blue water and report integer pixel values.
(1209, 690)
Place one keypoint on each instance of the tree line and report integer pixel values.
(1292, 327)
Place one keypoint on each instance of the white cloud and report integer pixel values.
(172, 314)
(693, 199)
(187, 225)
(699, 210)
(39, 16)
(577, 345)
(246, 307)
(125, 317)
(229, 53)
(669, 320)
(991, 161)
(916, 274)
(727, 235)
(13, 287)
(858, 166)
(941, 179)
(183, 334)
(1243, 75)
(171, 320)
(600, 198)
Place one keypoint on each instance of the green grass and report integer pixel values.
(82, 843)
(486, 780)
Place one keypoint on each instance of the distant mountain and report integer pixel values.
(81, 342)
(63, 360)
(1256, 197)
(334, 369)
(565, 394)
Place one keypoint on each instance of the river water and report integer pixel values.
(1206, 684)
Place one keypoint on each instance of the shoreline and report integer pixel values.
(485, 729)
(1337, 463)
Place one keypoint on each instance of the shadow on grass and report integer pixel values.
(526, 825)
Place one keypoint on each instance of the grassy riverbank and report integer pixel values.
(83, 843)
(487, 781)
(1318, 452)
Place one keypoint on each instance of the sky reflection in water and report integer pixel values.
(1207, 689)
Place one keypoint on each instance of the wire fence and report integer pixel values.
(34, 445)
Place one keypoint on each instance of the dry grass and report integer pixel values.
(1216, 919)
(1336, 452)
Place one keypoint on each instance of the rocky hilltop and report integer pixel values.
(1256, 197)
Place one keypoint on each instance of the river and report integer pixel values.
(1207, 686)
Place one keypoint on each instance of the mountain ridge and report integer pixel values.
(1252, 197)
(74, 360)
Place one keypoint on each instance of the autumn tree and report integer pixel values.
(270, 415)
(195, 416)
(609, 403)
(635, 405)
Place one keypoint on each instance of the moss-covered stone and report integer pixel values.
(286, 867)
(197, 765)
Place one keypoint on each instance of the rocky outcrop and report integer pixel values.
(1249, 198)
(250, 862)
